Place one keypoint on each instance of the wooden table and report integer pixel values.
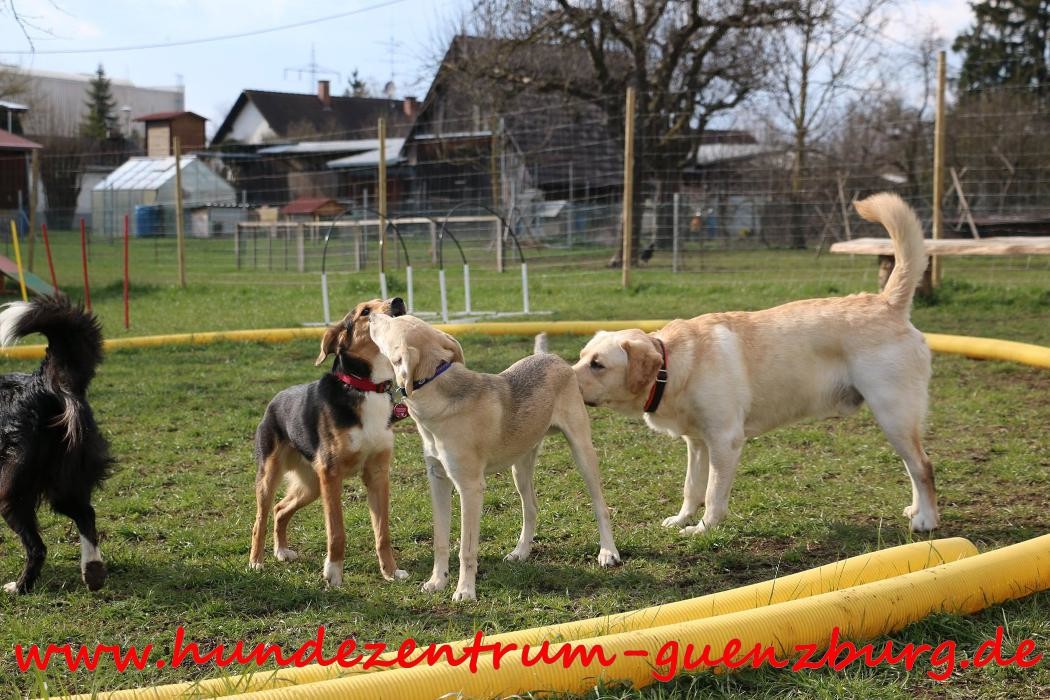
(883, 248)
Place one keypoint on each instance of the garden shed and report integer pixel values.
(147, 186)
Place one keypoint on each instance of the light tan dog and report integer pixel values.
(475, 424)
(731, 376)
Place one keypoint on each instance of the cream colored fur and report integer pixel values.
(475, 424)
(732, 376)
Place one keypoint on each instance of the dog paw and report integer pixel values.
(519, 553)
(921, 522)
(286, 554)
(94, 575)
(698, 529)
(608, 557)
(333, 574)
(464, 595)
(435, 584)
(255, 565)
(398, 575)
(676, 521)
(11, 588)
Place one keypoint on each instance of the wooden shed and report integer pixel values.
(163, 128)
(15, 154)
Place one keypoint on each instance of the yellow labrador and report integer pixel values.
(475, 424)
(718, 379)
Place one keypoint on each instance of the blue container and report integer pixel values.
(148, 220)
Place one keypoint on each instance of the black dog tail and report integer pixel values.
(74, 347)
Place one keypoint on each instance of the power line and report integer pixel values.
(206, 40)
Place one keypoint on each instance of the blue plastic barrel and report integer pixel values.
(147, 220)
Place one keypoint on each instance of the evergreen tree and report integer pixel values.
(101, 119)
(358, 86)
(1007, 46)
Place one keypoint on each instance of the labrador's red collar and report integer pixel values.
(657, 392)
(362, 384)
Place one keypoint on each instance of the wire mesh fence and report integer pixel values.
(545, 182)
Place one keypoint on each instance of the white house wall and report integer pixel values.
(250, 127)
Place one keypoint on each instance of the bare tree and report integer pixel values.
(14, 85)
(689, 61)
(890, 132)
(821, 58)
(9, 9)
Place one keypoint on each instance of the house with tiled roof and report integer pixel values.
(274, 146)
(261, 118)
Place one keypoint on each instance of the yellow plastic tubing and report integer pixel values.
(849, 572)
(977, 348)
(990, 349)
(284, 335)
(861, 612)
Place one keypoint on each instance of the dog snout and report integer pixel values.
(397, 307)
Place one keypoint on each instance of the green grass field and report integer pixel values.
(176, 516)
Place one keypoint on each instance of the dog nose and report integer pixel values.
(397, 307)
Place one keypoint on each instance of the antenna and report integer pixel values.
(312, 69)
(391, 45)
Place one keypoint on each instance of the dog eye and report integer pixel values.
(597, 365)
(365, 311)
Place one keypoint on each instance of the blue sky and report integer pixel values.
(214, 73)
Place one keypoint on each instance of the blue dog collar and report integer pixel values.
(445, 364)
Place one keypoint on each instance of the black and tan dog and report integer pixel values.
(320, 433)
(50, 446)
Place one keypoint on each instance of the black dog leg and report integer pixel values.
(23, 522)
(92, 570)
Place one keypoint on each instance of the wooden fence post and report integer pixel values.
(628, 187)
(938, 168)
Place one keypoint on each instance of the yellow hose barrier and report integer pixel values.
(859, 613)
(284, 335)
(854, 571)
(976, 348)
(990, 349)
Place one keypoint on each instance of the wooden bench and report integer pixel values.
(883, 248)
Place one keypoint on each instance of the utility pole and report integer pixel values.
(180, 239)
(381, 206)
(628, 187)
(938, 169)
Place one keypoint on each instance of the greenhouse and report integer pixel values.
(144, 190)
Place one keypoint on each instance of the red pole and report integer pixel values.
(127, 306)
(50, 262)
(83, 257)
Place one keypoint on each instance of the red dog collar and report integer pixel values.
(657, 392)
(363, 384)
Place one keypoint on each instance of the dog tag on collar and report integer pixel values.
(400, 412)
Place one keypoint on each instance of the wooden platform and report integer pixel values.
(883, 248)
(1006, 245)
(33, 283)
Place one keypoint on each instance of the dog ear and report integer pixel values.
(643, 363)
(409, 364)
(328, 343)
(452, 345)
